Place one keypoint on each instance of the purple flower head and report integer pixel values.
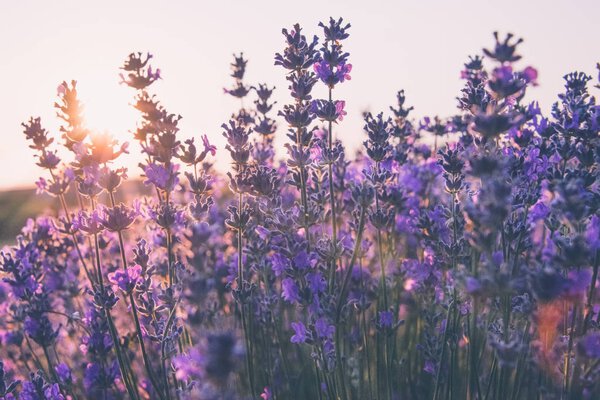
(97, 378)
(386, 319)
(530, 75)
(110, 180)
(169, 215)
(323, 328)
(164, 178)
(207, 146)
(329, 110)
(64, 374)
(36, 388)
(593, 233)
(578, 282)
(40, 329)
(430, 367)
(301, 334)
(126, 279)
(36, 134)
(589, 346)
(89, 223)
(280, 263)
(298, 115)
(504, 51)
(239, 90)
(48, 160)
(41, 185)
(335, 30)
(119, 217)
(140, 74)
(316, 282)
(504, 82)
(302, 261)
(299, 53)
(189, 366)
(301, 85)
(290, 292)
(262, 232)
(331, 75)
(238, 66)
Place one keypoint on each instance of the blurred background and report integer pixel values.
(416, 46)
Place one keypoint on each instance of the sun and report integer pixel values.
(107, 106)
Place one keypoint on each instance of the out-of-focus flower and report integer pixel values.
(504, 51)
(301, 334)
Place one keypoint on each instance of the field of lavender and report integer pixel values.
(451, 258)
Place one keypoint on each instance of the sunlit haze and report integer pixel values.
(416, 46)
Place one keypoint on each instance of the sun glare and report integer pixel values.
(107, 107)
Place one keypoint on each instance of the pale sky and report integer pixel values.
(419, 46)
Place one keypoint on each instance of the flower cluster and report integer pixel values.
(452, 257)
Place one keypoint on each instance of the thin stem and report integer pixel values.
(331, 197)
(138, 328)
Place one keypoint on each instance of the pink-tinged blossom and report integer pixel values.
(530, 75)
(266, 394)
(331, 75)
(208, 147)
(339, 109)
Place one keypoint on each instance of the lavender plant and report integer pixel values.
(452, 257)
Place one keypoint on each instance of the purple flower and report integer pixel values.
(590, 345)
(279, 263)
(578, 282)
(429, 367)
(302, 261)
(504, 51)
(89, 223)
(334, 31)
(538, 212)
(39, 328)
(386, 319)
(530, 75)
(290, 290)
(119, 217)
(162, 177)
(126, 279)
(593, 233)
(331, 75)
(266, 394)
(36, 388)
(323, 328)
(316, 282)
(207, 146)
(299, 53)
(64, 374)
(300, 333)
